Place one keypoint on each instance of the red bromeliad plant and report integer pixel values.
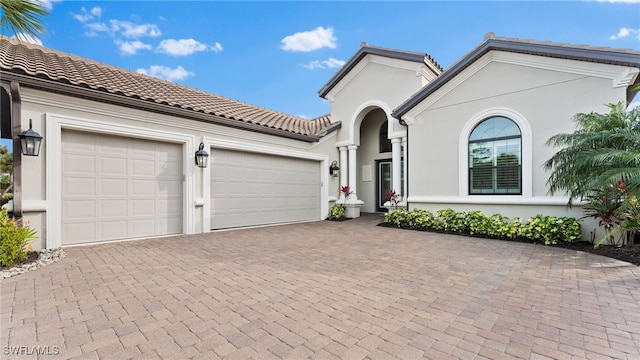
(606, 205)
(346, 190)
(392, 197)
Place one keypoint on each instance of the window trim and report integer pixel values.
(527, 152)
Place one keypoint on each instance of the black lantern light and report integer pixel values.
(202, 157)
(30, 141)
(334, 169)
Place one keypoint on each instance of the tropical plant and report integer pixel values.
(22, 18)
(392, 198)
(604, 149)
(600, 164)
(336, 213)
(13, 239)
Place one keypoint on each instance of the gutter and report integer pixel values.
(109, 98)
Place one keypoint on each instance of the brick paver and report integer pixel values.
(348, 290)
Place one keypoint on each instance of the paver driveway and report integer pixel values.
(325, 290)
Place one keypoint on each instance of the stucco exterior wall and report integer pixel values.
(373, 85)
(40, 106)
(543, 96)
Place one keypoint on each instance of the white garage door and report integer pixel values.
(256, 189)
(117, 188)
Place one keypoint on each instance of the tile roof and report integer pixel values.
(604, 55)
(38, 62)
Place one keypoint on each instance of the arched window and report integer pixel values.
(385, 143)
(495, 158)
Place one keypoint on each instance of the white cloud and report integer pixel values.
(131, 47)
(48, 4)
(131, 30)
(330, 63)
(633, 105)
(124, 28)
(86, 15)
(303, 116)
(27, 38)
(309, 40)
(166, 73)
(185, 47)
(624, 32)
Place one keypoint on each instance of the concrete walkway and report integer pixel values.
(323, 290)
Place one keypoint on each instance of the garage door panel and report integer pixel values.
(80, 209)
(79, 186)
(80, 232)
(79, 164)
(253, 189)
(112, 166)
(112, 187)
(119, 192)
(112, 208)
(112, 230)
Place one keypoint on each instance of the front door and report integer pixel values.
(383, 182)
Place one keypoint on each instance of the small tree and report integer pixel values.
(600, 163)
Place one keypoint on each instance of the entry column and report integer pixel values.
(353, 171)
(344, 181)
(396, 165)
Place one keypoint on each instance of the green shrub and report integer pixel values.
(451, 220)
(336, 213)
(549, 229)
(552, 229)
(398, 218)
(477, 222)
(13, 239)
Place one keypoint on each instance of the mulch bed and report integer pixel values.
(31, 257)
(630, 254)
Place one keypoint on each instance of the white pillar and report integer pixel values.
(344, 167)
(404, 171)
(396, 164)
(352, 170)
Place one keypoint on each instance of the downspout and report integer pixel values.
(16, 118)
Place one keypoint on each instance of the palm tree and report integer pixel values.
(604, 149)
(23, 18)
(600, 163)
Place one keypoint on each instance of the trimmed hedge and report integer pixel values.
(549, 229)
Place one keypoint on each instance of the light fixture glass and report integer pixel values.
(334, 169)
(30, 141)
(202, 157)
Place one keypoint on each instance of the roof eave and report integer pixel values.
(359, 55)
(106, 97)
(556, 51)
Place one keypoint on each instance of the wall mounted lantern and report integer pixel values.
(334, 169)
(202, 157)
(30, 141)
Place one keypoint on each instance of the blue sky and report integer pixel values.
(279, 54)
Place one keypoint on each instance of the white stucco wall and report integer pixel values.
(374, 83)
(39, 106)
(543, 94)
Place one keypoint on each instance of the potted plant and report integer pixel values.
(393, 201)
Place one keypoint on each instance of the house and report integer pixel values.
(118, 159)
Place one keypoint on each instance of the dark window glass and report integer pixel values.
(495, 158)
(385, 143)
